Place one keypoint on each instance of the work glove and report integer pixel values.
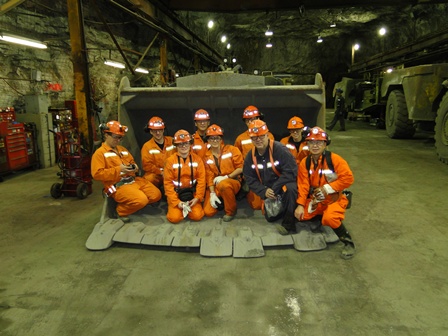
(185, 209)
(218, 179)
(312, 206)
(214, 200)
(322, 192)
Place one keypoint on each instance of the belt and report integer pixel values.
(125, 180)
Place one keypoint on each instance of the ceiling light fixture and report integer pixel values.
(228, 46)
(141, 70)
(223, 39)
(269, 44)
(269, 32)
(210, 24)
(333, 25)
(114, 64)
(233, 60)
(319, 39)
(22, 41)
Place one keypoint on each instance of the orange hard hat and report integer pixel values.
(251, 112)
(257, 128)
(214, 130)
(295, 122)
(182, 136)
(317, 133)
(201, 114)
(156, 123)
(115, 127)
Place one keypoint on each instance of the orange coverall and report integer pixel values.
(332, 214)
(199, 146)
(130, 197)
(245, 145)
(229, 160)
(171, 183)
(298, 154)
(153, 159)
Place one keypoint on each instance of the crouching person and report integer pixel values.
(184, 181)
(223, 165)
(271, 172)
(115, 167)
(322, 178)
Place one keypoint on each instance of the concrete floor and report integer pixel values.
(50, 284)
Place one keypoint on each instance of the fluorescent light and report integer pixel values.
(228, 46)
(333, 25)
(22, 41)
(269, 32)
(210, 24)
(223, 39)
(141, 70)
(114, 64)
(319, 39)
(269, 45)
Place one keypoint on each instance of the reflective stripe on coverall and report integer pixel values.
(153, 159)
(229, 160)
(170, 182)
(334, 213)
(199, 146)
(298, 154)
(131, 197)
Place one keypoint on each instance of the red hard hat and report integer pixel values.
(251, 112)
(115, 127)
(201, 115)
(156, 123)
(257, 128)
(317, 133)
(182, 136)
(214, 130)
(295, 122)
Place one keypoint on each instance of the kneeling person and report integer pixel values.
(184, 181)
(115, 167)
(223, 164)
(320, 186)
(271, 172)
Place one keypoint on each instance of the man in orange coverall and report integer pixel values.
(202, 121)
(320, 188)
(184, 181)
(244, 143)
(155, 151)
(115, 167)
(295, 142)
(223, 165)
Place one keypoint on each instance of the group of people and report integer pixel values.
(295, 179)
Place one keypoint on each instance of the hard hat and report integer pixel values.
(182, 136)
(257, 128)
(317, 133)
(156, 123)
(214, 130)
(251, 112)
(115, 127)
(201, 115)
(295, 122)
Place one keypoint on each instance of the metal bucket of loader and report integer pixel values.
(224, 96)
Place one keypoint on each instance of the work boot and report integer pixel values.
(124, 219)
(227, 218)
(348, 250)
(289, 223)
(281, 229)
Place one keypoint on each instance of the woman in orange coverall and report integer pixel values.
(223, 164)
(320, 188)
(184, 172)
(115, 167)
(155, 151)
(295, 142)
